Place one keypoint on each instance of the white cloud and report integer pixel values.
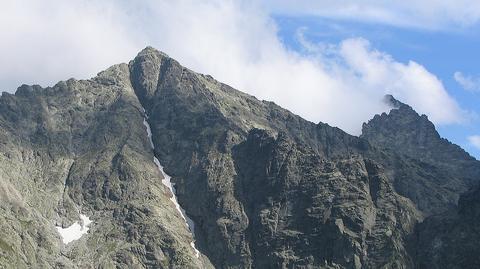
(475, 141)
(467, 82)
(425, 14)
(410, 82)
(43, 41)
(236, 42)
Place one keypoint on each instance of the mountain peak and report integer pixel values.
(406, 131)
(393, 102)
(149, 50)
(406, 134)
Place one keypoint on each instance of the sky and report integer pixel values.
(328, 61)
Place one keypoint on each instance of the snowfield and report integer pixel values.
(75, 231)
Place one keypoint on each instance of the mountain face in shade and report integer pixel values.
(426, 168)
(450, 239)
(264, 187)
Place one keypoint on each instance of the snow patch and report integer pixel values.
(171, 186)
(74, 231)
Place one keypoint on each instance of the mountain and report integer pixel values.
(257, 186)
(426, 168)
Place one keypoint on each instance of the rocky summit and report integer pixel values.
(151, 165)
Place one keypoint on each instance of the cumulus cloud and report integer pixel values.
(235, 41)
(467, 82)
(425, 14)
(409, 82)
(474, 141)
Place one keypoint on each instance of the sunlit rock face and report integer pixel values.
(81, 146)
(214, 177)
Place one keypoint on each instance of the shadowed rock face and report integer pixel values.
(305, 211)
(265, 188)
(450, 239)
(426, 168)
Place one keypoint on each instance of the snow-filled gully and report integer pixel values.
(166, 181)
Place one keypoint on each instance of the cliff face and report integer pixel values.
(265, 188)
(450, 239)
(426, 168)
(304, 210)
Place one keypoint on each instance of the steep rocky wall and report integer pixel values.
(429, 170)
(200, 125)
(450, 239)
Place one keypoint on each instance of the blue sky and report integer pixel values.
(442, 52)
(328, 61)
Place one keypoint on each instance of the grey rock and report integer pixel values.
(81, 147)
(428, 169)
(265, 188)
(450, 239)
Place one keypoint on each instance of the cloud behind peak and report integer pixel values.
(236, 42)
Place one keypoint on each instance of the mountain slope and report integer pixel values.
(81, 147)
(197, 123)
(265, 188)
(200, 122)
